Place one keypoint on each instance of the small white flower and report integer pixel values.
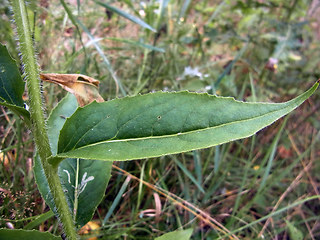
(192, 72)
(142, 13)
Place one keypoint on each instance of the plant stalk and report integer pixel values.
(39, 130)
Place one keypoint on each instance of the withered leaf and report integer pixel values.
(83, 87)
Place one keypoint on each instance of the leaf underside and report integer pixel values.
(177, 235)
(11, 84)
(128, 16)
(163, 123)
(17, 234)
(84, 181)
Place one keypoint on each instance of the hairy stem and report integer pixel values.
(37, 116)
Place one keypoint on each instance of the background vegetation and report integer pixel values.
(253, 50)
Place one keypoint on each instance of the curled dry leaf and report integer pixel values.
(83, 87)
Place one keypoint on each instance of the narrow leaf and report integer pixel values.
(294, 233)
(128, 16)
(11, 84)
(38, 220)
(84, 181)
(177, 235)
(184, 9)
(18, 234)
(78, 23)
(138, 44)
(163, 123)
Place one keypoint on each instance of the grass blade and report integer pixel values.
(128, 16)
(184, 9)
(76, 21)
(138, 44)
(188, 173)
(271, 153)
(40, 219)
(116, 200)
(297, 203)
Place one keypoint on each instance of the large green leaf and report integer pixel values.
(18, 234)
(84, 181)
(11, 84)
(162, 123)
(177, 235)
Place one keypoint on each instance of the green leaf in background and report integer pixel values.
(128, 16)
(84, 181)
(19, 234)
(38, 220)
(177, 235)
(163, 123)
(11, 84)
(137, 44)
(294, 233)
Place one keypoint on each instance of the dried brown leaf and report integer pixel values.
(83, 87)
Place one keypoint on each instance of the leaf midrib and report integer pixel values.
(183, 133)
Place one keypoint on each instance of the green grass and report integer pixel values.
(237, 184)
